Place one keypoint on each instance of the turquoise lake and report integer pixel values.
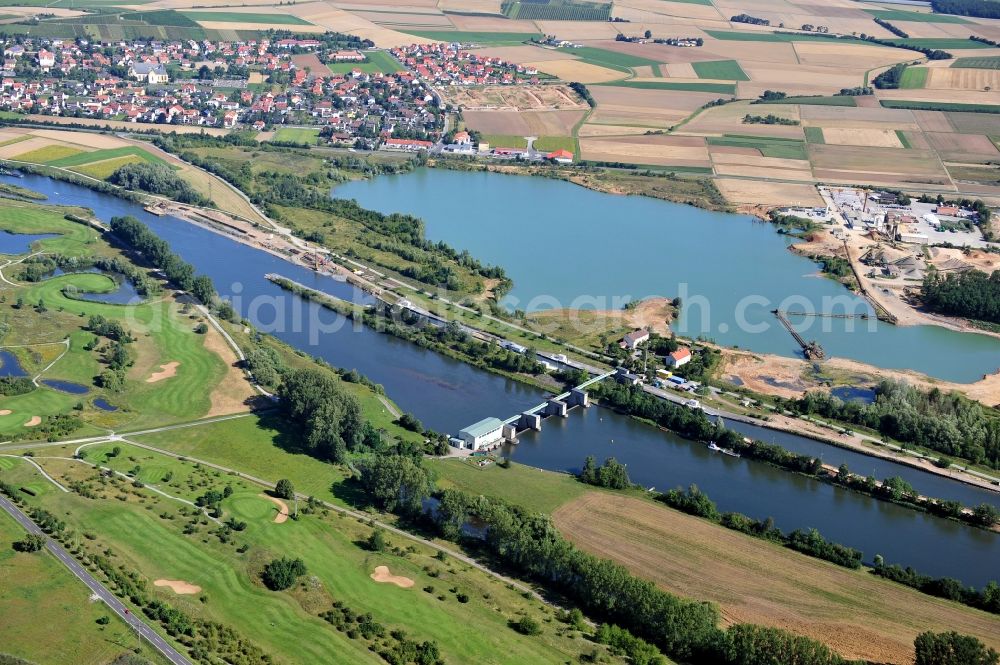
(567, 246)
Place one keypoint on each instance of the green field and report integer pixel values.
(300, 135)
(378, 61)
(938, 106)
(487, 38)
(553, 143)
(835, 100)
(721, 88)
(814, 135)
(245, 17)
(36, 586)
(901, 135)
(556, 10)
(103, 170)
(145, 531)
(740, 36)
(505, 141)
(941, 43)
(986, 62)
(914, 78)
(50, 153)
(768, 146)
(622, 62)
(726, 70)
(915, 17)
(101, 155)
(74, 239)
(519, 484)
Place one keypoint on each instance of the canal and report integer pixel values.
(567, 246)
(447, 395)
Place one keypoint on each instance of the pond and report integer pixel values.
(104, 405)
(10, 365)
(66, 386)
(20, 243)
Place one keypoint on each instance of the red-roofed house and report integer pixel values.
(560, 157)
(679, 357)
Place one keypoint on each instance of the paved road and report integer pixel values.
(145, 632)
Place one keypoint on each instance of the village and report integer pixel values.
(355, 95)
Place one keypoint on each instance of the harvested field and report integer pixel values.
(166, 371)
(521, 54)
(962, 144)
(86, 139)
(578, 30)
(867, 159)
(933, 121)
(882, 138)
(942, 96)
(701, 10)
(798, 79)
(962, 79)
(650, 108)
(856, 115)
(849, 55)
(682, 70)
(860, 615)
(596, 130)
(528, 123)
(975, 123)
(515, 98)
(179, 587)
(312, 62)
(575, 70)
(767, 193)
(654, 150)
(383, 576)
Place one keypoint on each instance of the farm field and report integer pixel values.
(914, 77)
(768, 146)
(689, 86)
(986, 62)
(245, 17)
(481, 38)
(504, 141)
(922, 17)
(610, 59)
(720, 69)
(556, 10)
(756, 581)
(523, 123)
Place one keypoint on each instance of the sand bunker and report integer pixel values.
(383, 576)
(282, 509)
(167, 370)
(5, 412)
(35, 420)
(178, 586)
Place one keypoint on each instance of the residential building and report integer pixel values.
(634, 339)
(678, 358)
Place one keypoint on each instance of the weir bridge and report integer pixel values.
(559, 405)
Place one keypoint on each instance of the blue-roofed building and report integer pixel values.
(487, 432)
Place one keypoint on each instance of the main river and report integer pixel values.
(564, 245)
(447, 395)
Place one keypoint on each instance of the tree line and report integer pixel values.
(987, 599)
(972, 294)
(947, 423)
(977, 8)
(159, 179)
(158, 253)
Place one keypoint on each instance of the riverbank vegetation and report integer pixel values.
(947, 423)
(294, 186)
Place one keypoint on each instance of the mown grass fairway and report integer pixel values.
(145, 530)
(40, 599)
(727, 70)
(74, 239)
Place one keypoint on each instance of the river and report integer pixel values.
(564, 245)
(447, 395)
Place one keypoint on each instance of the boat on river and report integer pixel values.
(725, 451)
